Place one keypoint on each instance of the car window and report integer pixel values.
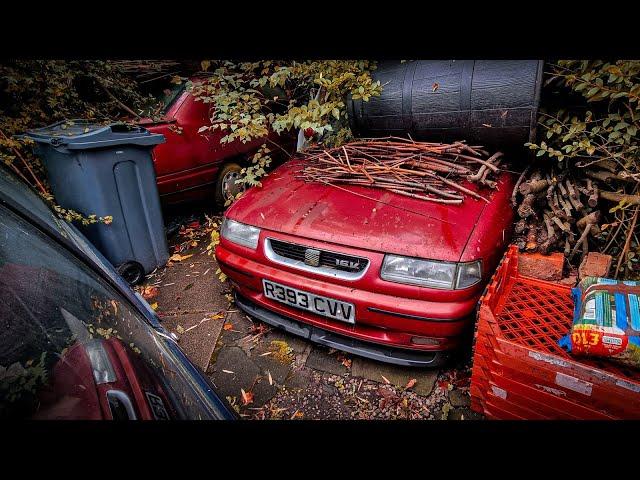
(170, 95)
(72, 347)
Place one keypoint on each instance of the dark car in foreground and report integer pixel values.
(364, 270)
(75, 341)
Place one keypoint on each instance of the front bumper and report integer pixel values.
(382, 320)
(323, 337)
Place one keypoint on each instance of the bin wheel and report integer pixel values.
(226, 186)
(132, 272)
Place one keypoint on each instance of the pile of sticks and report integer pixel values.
(422, 170)
(562, 210)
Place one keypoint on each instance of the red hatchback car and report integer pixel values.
(391, 278)
(191, 165)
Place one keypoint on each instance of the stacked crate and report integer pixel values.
(520, 372)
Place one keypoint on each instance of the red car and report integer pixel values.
(393, 284)
(192, 165)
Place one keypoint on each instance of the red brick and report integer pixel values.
(595, 265)
(544, 267)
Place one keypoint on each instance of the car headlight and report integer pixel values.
(429, 273)
(240, 233)
(469, 274)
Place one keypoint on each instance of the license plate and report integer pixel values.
(327, 307)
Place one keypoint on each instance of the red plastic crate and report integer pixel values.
(544, 389)
(519, 324)
(549, 379)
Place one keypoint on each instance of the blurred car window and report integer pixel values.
(72, 347)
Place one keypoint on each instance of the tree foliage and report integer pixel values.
(605, 126)
(251, 98)
(35, 93)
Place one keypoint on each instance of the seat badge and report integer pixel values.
(312, 257)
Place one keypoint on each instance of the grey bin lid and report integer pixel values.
(84, 135)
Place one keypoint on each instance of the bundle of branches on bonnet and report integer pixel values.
(582, 192)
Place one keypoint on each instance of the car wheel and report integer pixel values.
(132, 272)
(226, 186)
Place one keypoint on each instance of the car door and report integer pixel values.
(206, 153)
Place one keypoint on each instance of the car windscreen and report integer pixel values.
(170, 95)
(72, 347)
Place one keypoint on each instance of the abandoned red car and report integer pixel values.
(387, 277)
(191, 165)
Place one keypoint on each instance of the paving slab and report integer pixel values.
(278, 367)
(398, 376)
(187, 291)
(459, 398)
(319, 359)
(244, 372)
(299, 379)
(199, 337)
(240, 326)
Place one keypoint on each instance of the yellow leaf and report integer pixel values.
(154, 305)
(205, 64)
(176, 257)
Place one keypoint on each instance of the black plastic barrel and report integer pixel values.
(488, 102)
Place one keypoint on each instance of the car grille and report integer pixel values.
(337, 261)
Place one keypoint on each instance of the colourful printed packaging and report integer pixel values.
(606, 320)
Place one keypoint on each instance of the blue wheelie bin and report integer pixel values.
(108, 170)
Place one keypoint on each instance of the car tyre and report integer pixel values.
(226, 187)
(132, 272)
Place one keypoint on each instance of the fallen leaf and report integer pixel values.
(154, 305)
(228, 371)
(386, 393)
(346, 362)
(176, 257)
(270, 378)
(149, 292)
(228, 326)
(435, 87)
(180, 329)
(247, 397)
(411, 383)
